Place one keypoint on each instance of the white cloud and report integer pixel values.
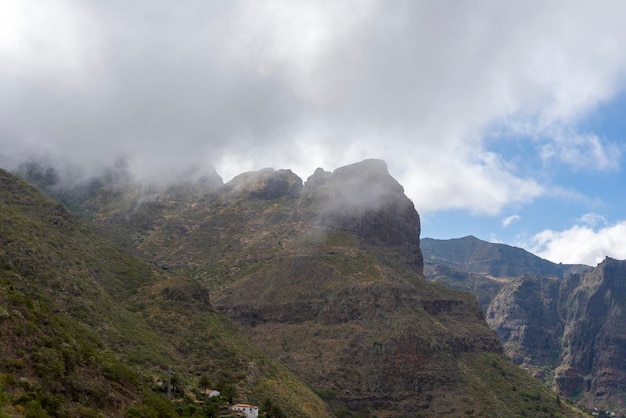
(298, 85)
(315, 46)
(592, 220)
(58, 42)
(509, 220)
(582, 243)
(582, 151)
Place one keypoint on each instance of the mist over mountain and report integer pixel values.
(325, 281)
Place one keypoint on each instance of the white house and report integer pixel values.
(210, 393)
(245, 410)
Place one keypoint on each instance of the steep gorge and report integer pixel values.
(567, 329)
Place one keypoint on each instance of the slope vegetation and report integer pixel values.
(88, 329)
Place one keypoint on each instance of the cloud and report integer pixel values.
(314, 47)
(509, 220)
(582, 151)
(583, 243)
(49, 43)
(592, 220)
(245, 85)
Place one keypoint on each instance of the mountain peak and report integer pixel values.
(363, 198)
(266, 184)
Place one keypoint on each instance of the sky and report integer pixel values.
(502, 120)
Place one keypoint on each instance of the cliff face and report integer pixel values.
(571, 331)
(524, 314)
(594, 338)
(327, 277)
(364, 199)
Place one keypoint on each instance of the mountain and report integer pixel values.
(564, 324)
(499, 260)
(89, 330)
(326, 277)
(594, 337)
(570, 332)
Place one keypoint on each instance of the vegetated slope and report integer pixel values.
(88, 329)
(327, 278)
(499, 260)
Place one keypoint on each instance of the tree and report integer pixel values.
(271, 410)
(205, 382)
(227, 390)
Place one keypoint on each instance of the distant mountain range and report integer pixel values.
(473, 255)
(306, 298)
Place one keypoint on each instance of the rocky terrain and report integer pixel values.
(567, 330)
(324, 276)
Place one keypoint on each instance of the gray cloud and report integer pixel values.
(246, 85)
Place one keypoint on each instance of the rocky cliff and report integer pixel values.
(593, 365)
(562, 323)
(524, 314)
(570, 332)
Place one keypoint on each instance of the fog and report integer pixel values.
(436, 89)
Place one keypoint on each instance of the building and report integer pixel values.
(245, 410)
(210, 393)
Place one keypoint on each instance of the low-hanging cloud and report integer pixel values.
(244, 85)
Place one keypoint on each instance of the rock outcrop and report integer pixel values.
(364, 199)
(266, 184)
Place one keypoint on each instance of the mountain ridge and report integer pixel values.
(328, 281)
(499, 260)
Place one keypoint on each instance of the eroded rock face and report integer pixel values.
(374, 346)
(594, 339)
(364, 199)
(524, 316)
(574, 329)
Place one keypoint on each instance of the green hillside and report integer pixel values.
(89, 330)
